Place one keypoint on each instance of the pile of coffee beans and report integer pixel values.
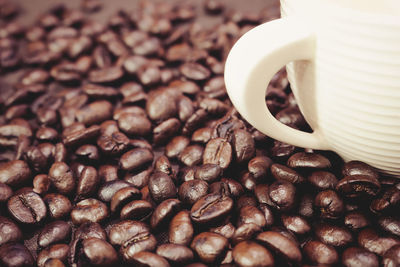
(120, 147)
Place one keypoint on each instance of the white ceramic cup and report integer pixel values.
(343, 65)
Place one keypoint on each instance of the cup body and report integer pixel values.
(350, 91)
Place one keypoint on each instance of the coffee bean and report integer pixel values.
(211, 208)
(58, 205)
(87, 183)
(14, 254)
(218, 151)
(296, 224)
(181, 229)
(105, 74)
(54, 263)
(209, 247)
(375, 243)
(333, 235)
(123, 196)
(226, 229)
(54, 232)
(161, 187)
(355, 220)
(164, 212)
(389, 200)
(137, 210)
(139, 179)
(27, 207)
(390, 224)
(88, 153)
(140, 242)
(249, 253)
(323, 180)
(329, 203)
(355, 256)
(191, 155)
(245, 232)
(282, 195)
(135, 158)
(14, 172)
(134, 125)
(259, 166)
(202, 135)
(161, 105)
(57, 251)
(176, 146)
(281, 172)
(358, 185)
(195, 121)
(194, 71)
(99, 252)
(176, 254)
(89, 210)
(80, 136)
(62, 177)
(108, 173)
(250, 214)
(359, 168)
(281, 245)
(9, 231)
(391, 257)
(41, 184)
(145, 258)
(5, 192)
(165, 130)
(208, 172)
(191, 191)
(319, 253)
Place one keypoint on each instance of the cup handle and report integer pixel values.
(251, 64)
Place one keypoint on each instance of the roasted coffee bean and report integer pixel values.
(281, 172)
(163, 164)
(57, 251)
(259, 166)
(281, 245)
(80, 136)
(14, 172)
(87, 183)
(5, 192)
(58, 205)
(282, 195)
(296, 224)
(250, 214)
(323, 180)
(358, 185)
(191, 191)
(54, 232)
(165, 130)
(138, 210)
(107, 190)
(99, 252)
(145, 258)
(176, 254)
(227, 230)
(391, 257)
(134, 125)
(54, 263)
(108, 173)
(113, 144)
(245, 232)
(373, 242)
(161, 186)
(27, 207)
(243, 145)
(105, 74)
(14, 254)
(390, 200)
(355, 220)
(333, 235)
(35, 158)
(181, 229)
(330, 204)
(41, 184)
(89, 210)
(308, 160)
(319, 253)
(62, 177)
(209, 247)
(211, 208)
(123, 196)
(245, 200)
(358, 168)
(191, 155)
(161, 104)
(390, 224)
(195, 121)
(135, 158)
(282, 151)
(139, 179)
(164, 212)
(87, 153)
(143, 241)
(208, 172)
(355, 256)
(251, 254)
(268, 215)
(218, 151)
(202, 135)
(176, 146)
(9, 231)
(194, 71)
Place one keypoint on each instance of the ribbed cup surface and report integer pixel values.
(351, 91)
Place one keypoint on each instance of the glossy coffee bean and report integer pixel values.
(145, 258)
(355, 256)
(142, 242)
(108, 190)
(227, 230)
(137, 210)
(208, 172)
(281, 244)
(9, 231)
(308, 160)
(15, 254)
(375, 243)
(27, 207)
(218, 151)
(209, 247)
(14, 172)
(164, 212)
(259, 166)
(135, 158)
(333, 235)
(62, 178)
(282, 195)
(176, 254)
(89, 210)
(58, 205)
(296, 224)
(5, 192)
(191, 191)
(99, 252)
(87, 183)
(390, 224)
(251, 254)
(391, 257)
(323, 180)
(358, 185)
(211, 208)
(181, 229)
(161, 187)
(319, 253)
(329, 203)
(124, 196)
(358, 168)
(281, 172)
(57, 251)
(245, 232)
(54, 232)
(250, 214)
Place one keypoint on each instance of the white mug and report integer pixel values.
(343, 65)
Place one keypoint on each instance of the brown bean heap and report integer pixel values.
(120, 147)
